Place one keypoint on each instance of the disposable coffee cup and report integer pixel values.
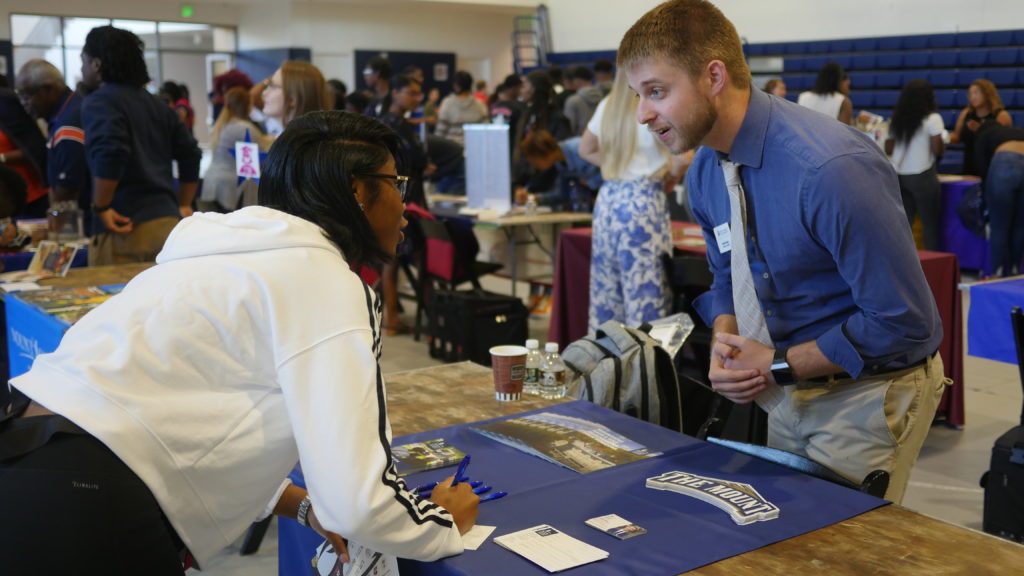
(508, 363)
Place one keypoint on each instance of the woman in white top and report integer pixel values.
(830, 94)
(915, 141)
(184, 401)
(631, 219)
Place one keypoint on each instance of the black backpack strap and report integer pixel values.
(22, 436)
(645, 400)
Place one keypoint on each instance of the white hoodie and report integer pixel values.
(250, 344)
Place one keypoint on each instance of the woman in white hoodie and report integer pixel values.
(171, 415)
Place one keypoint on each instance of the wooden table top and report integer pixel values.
(540, 218)
(97, 276)
(886, 540)
(411, 391)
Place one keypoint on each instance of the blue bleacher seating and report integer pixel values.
(949, 117)
(753, 49)
(890, 60)
(890, 43)
(862, 79)
(818, 46)
(796, 47)
(793, 64)
(1000, 76)
(889, 79)
(1012, 98)
(946, 98)
(952, 161)
(1018, 37)
(1018, 117)
(998, 38)
(915, 42)
(843, 60)
(941, 40)
(862, 62)
(970, 39)
(865, 98)
(815, 63)
(865, 44)
(792, 95)
(887, 99)
(920, 59)
(961, 98)
(974, 57)
(940, 78)
(1011, 56)
(841, 46)
(945, 58)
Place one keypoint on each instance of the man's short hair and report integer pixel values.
(38, 73)
(689, 33)
(604, 66)
(581, 73)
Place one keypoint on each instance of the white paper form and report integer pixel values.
(550, 549)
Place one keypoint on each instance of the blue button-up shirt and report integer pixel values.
(832, 256)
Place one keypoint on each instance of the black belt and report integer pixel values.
(832, 378)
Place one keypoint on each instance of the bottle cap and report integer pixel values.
(551, 347)
(533, 344)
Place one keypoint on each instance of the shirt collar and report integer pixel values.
(748, 147)
(62, 104)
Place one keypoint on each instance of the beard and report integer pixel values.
(690, 134)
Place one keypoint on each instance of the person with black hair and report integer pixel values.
(914, 144)
(505, 107)
(458, 108)
(339, 90)
(177, 98)
(356, 102)
(185, 400)
(604, 75)
(131, 141)
(377, 75)
(580, 106)
(542, 113)
(830, 94)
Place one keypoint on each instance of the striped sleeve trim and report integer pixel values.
(420, 510)
(70, 133)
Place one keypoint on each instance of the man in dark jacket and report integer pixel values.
(132, 138)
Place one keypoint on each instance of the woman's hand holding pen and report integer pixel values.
(459, 500)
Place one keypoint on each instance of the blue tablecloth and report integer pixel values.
(684, 533)
(13, 261)
(989, 331)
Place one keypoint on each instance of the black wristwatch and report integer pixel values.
(99, 209)
(781, 370)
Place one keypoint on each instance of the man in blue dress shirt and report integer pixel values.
(853, 325)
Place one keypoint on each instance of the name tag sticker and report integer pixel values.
(723, 237)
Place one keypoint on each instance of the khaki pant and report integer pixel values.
(857, 426)
(142, 244)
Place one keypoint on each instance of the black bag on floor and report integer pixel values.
(464, 325)
(1004, 487)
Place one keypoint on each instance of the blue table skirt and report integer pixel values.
(684, 533)
(989, 330)
(13, 261)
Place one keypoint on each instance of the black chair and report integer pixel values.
(449, 259)
(875, 483)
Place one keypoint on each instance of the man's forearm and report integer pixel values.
(807, 361)
(186, 192)
(103, 191)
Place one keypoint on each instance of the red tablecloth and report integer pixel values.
(572, 298)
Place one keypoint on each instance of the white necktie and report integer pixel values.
(749, 315)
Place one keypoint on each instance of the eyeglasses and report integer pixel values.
(401, 182)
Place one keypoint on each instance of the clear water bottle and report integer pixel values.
(531, 204)
(531, 384)
(552, 373)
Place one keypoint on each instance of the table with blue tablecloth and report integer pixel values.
(813, 534)
(989, 331)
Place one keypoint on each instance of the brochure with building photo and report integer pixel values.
(575, 443)
(420, 456)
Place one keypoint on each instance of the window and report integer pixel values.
(177, 51)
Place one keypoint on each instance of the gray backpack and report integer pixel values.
(625, 369)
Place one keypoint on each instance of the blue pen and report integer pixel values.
(481, 490)
(474, 484)
(494, 496)
(461, 471)
(430, 485)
